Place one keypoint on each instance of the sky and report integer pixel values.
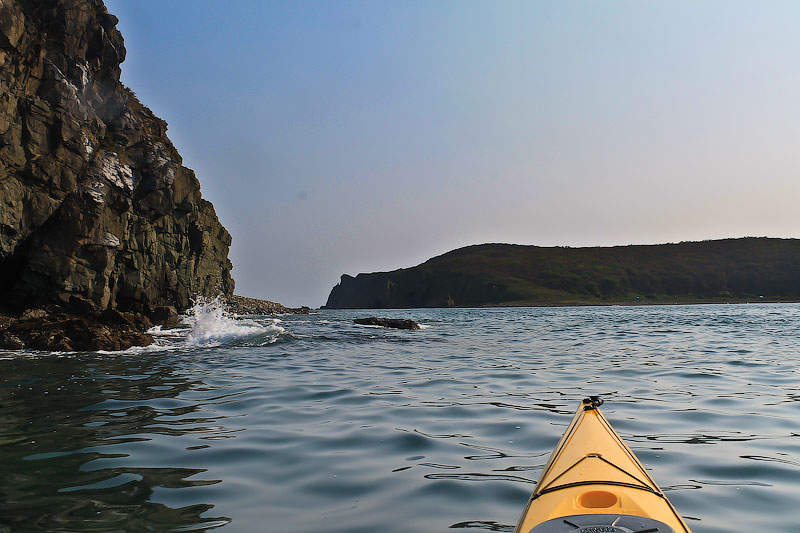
(360, 136)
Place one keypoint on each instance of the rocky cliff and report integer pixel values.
(96, 210)
(750, 269)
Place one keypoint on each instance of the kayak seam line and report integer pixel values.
(573, 426)
(628, 451)
(641, 466)
(544, 488)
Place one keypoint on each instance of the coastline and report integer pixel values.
(646, 303)
(53, 328)
(621, 303)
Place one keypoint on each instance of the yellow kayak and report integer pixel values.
(593, 483)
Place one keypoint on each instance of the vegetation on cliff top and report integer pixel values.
(507, 274)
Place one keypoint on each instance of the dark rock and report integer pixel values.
(81, 305)
(134, 320)
(114, 316)
(165, 315)
(96, 210)
(242, 305)
(109, 330)
(398, 323)
(9, 341)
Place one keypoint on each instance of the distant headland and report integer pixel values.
(727, 270)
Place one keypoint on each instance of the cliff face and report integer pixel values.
(500, 274)
(96, 209)
(404, 288)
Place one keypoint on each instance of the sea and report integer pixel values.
(310, 423)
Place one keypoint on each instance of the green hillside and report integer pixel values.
(507, 274)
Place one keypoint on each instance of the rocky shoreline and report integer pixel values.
(109, 330)
(54, 330)
(242, 305)
(103, 231)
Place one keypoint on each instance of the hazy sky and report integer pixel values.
(346, 136)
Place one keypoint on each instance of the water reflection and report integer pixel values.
(477, 476)
(78, 437)
(487, 525)
(439, 429)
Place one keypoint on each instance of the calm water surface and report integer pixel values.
(313, 424)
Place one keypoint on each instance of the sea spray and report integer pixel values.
(210, 325)
(207, 324)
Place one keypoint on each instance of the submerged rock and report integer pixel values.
(397, 323)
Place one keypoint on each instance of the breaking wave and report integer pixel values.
(207, 324)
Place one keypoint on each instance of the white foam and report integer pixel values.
(211, 325)
(208, 324)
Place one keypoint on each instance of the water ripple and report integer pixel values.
(314, 424)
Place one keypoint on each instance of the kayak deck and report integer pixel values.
(593, 482)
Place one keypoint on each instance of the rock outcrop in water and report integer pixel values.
(96, 210)
(748, 269)
(397, 323)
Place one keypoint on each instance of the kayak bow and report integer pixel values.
(593, 483)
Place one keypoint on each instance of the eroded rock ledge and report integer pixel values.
(241, 305)
(107, 330)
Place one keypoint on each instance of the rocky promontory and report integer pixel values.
(97, 211)
(726, 270)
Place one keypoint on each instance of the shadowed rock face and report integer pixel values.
(96, 209)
